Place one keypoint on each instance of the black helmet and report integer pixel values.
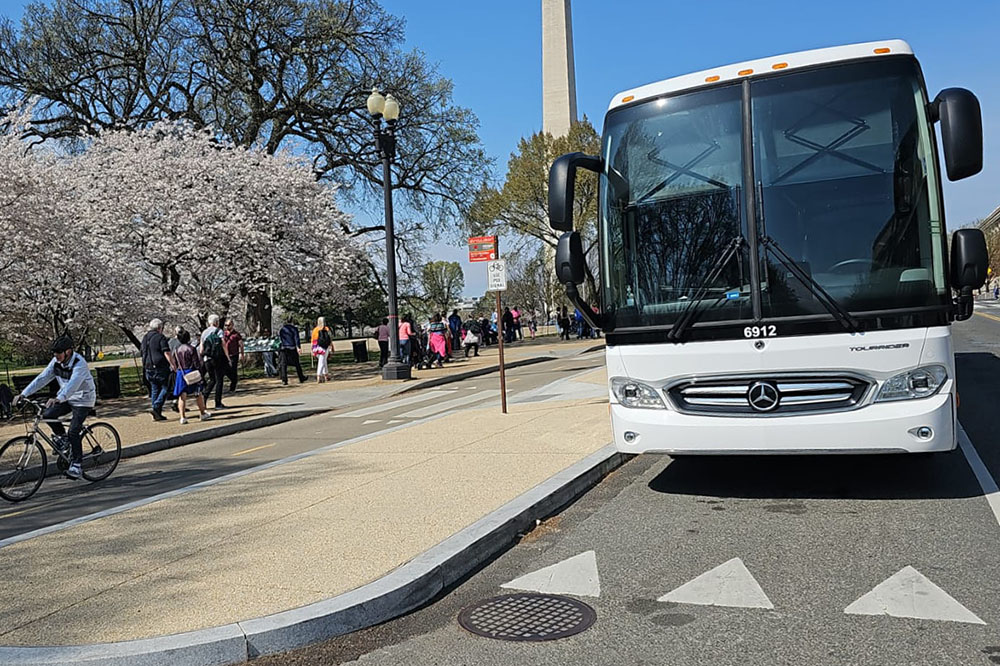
(61, 344)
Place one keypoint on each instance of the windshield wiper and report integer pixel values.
(848, 321)
(688, 316)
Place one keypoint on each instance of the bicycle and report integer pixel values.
(24, 465)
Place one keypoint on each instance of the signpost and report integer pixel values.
(496, 280)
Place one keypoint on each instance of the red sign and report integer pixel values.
(482, 248)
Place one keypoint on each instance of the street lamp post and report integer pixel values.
(385, 140)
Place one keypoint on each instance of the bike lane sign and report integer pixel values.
(496, 275)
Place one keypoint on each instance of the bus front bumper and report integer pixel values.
(891, 427)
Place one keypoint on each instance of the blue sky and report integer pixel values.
(492, 51)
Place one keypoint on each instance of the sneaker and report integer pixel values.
(183, 421)
(74, 471)
(206, 416)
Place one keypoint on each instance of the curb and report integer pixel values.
(408, 587)
(155, 445)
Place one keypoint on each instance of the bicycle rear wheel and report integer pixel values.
(22, 468)
(102, 449)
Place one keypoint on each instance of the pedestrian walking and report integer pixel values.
(564, 324)
(233, 341)
(471, 340)
(455, 328)
(322, 346)
(216, 360)
(508, 325)
(174, 343)
(382, 336)
(188, 379)
(405, 333)
(516, 314)
(289, 342)
(156, 362)
(436, 341)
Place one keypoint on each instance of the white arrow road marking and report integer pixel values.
(576, 575)
(908, 593)
(378, 409)
(729, 584)
(395, 421)
(370, 421)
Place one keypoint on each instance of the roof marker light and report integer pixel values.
(779, 65)
(882, 50)
(744, 72)
(711, 79)
(627, 98)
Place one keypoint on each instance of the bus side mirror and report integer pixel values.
(969, 259)
(961, 131)
(570, 259)
(562, 182)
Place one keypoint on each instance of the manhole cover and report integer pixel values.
(527, 617)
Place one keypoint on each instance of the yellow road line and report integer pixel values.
(256, 448)
(22, 512)
(988, 316)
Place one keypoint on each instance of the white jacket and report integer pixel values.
(78, 389)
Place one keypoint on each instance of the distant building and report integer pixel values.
(991, 224)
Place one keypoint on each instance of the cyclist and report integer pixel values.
(77, 394)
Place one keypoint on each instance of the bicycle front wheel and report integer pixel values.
(102, 449)
(22, 468)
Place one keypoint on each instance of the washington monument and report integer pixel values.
(558, 75)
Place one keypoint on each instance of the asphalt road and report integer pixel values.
(815, 534)
(60, 499)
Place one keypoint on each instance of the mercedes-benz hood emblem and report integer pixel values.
(763, 396)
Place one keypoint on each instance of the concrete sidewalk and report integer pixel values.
(262, 402)
(293, 534)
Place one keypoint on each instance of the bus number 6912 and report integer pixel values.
(760, 331)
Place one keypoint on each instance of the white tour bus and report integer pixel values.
(774, 270)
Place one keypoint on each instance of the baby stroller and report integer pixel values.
(419, 358)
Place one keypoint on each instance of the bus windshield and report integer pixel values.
(845, 187)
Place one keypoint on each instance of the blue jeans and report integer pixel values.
(158, 387)
(404, 351)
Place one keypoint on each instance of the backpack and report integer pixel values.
(323, 339)
(212, 347)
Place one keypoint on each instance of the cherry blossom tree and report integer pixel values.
(53, 280)
(202, 221)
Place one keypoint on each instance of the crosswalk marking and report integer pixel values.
(378, 409)
(729, 584)
(371, 421)
(449, 404)
(908, 593)
(576, 575)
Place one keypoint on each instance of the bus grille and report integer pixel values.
(775, 395)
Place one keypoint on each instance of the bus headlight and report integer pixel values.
(918, 383)
(631, 393)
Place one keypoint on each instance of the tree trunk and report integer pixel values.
(131, 336)
(258, 314)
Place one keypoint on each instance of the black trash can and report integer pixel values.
(108, 382)
(360, 351)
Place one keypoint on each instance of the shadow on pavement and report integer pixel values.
(886, 477)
